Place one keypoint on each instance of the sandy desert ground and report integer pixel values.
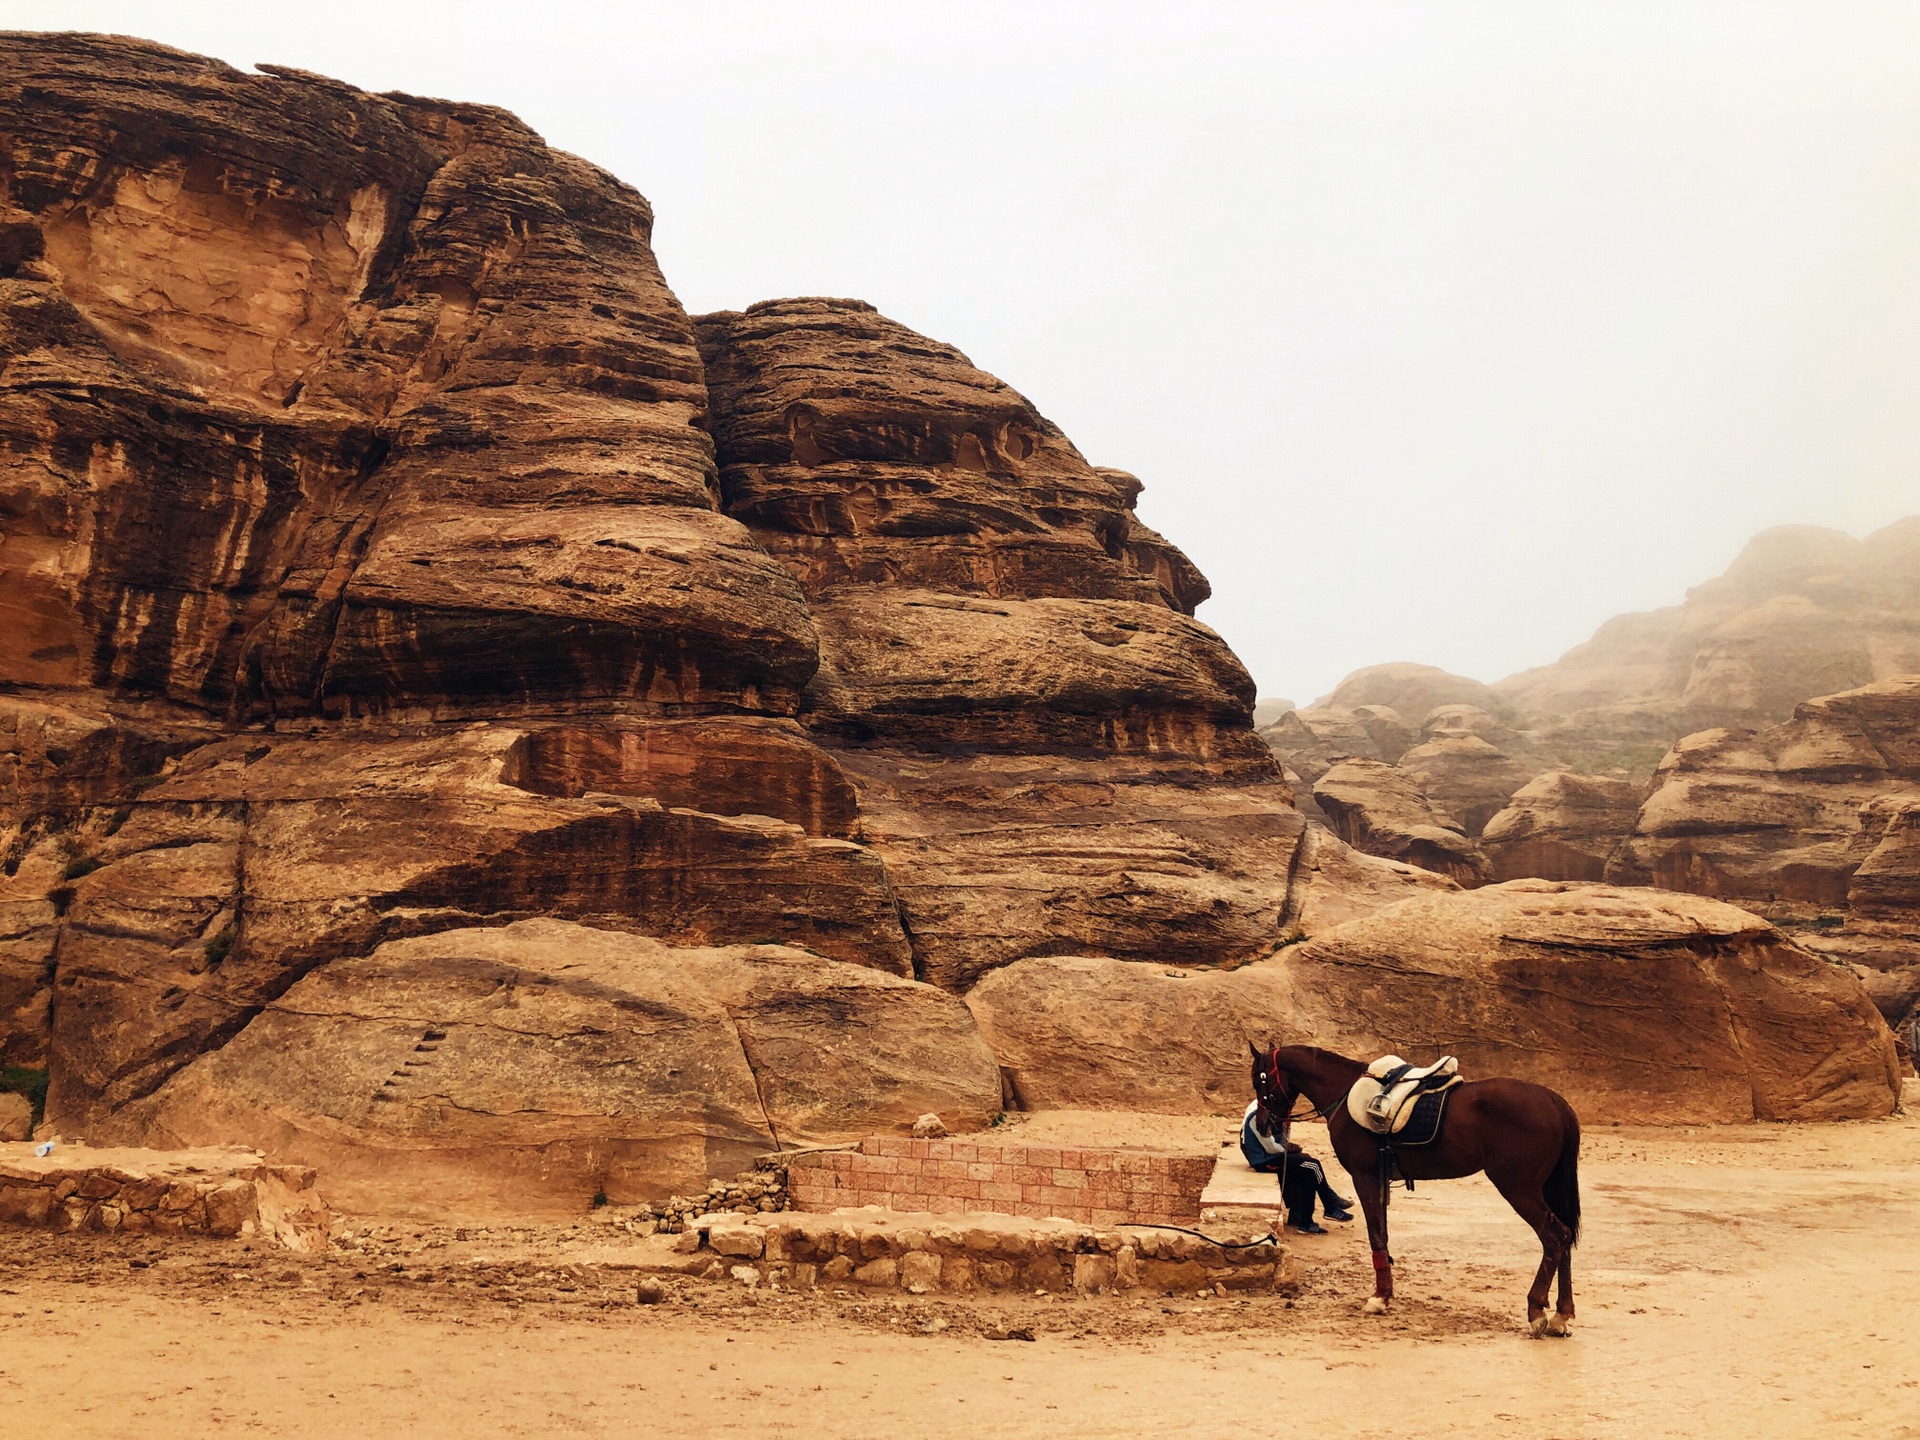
(1750, 1281)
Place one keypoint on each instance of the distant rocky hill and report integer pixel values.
(1803, 611)
(1750, 744)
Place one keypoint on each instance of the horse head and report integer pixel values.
(1273, 1090)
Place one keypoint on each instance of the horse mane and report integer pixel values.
(1323, 1054)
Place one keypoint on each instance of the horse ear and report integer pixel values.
(1255, 1049)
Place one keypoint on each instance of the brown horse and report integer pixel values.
(1525, 1136)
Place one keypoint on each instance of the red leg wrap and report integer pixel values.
(1382, 1261)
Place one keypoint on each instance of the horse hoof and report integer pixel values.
(1374, 1306)
(1537, 1328)
(1560, 1326)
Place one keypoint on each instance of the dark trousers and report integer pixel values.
(1303, 1181)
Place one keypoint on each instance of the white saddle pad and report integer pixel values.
(1385, 1110)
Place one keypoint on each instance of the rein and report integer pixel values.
(1314, 1112)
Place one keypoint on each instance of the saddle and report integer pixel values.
(1383, 1100)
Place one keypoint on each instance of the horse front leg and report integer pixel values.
(1373, 1202)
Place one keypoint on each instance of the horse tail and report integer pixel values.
(1563, 1185)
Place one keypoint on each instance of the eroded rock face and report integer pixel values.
(1561, 826)
(389, 558)
(1385, 810)
(1811, 822)
(479, 1070)
(1789, 815)
(261, 326)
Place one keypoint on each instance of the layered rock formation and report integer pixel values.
(1561, 826)
(1810, 822)
(391, 563)
(466, 724)
(1639, 1007)
(1384, 810)
(1051, 754)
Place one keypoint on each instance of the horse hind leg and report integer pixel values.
(1530, 1204)
(1561, 1321)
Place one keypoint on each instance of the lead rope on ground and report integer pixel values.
(1267, 1239)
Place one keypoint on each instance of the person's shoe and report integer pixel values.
(1339, 1212)
(1306, 1227)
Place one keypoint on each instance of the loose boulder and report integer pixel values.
(1076, 1032)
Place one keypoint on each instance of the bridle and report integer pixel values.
(1293, 1096)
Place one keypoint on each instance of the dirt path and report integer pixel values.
(1758, 1281)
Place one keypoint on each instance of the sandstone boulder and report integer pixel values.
(1560, 826)
(532, 1065)
(1384, 810)
(1638, 1006)
(1074, 1032)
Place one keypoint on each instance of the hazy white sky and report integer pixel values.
(1439, 330)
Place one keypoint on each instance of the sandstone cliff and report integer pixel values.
(469, 725)
(392, 565)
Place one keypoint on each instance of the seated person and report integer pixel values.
(1302, 1178)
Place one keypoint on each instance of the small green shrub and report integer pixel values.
(220, 946)
(599, 1198)
(27, 1081)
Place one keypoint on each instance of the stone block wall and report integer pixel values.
(925, 1253)
(1090, 1187)
(223, 1193)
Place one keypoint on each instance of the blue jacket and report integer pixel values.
(1263, 1152)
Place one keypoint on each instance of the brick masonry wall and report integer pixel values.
(1090, 1187)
